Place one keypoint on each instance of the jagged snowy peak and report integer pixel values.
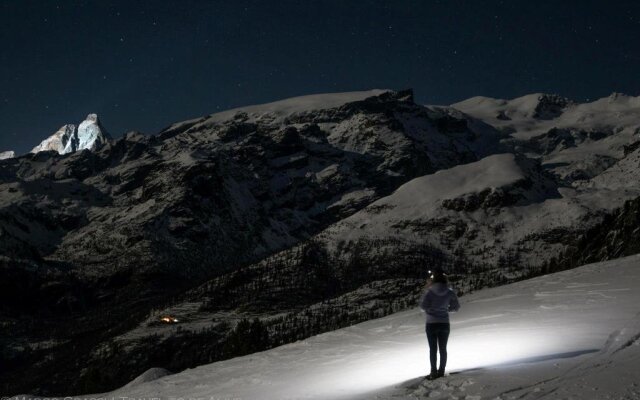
(89, 135)
(62, 141)
(7, 154)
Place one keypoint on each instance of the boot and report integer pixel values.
(440, 373)
(433, 375)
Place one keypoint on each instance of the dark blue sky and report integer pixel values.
(144, 64)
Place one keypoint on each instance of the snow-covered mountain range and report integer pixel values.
(278, 221)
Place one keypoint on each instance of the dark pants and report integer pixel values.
(438, 335)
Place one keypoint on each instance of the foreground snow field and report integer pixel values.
(573, 334)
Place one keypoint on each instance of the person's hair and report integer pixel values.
(439, 277)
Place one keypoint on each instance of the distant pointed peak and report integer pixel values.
(7, 154)
(89, 134)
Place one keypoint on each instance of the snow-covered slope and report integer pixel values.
(89, 135)
(572, 334)
(464, 187)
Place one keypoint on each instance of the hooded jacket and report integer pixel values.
(438, 301)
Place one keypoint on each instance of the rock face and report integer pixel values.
(550, 106)
(7, 154)
(317, 212)
(615, 237)
(89, 135)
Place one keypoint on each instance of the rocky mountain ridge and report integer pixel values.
(307, 214)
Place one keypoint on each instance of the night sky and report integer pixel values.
(145, 64)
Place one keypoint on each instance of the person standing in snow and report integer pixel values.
(437, 301)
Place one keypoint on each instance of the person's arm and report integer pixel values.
(425, 301)
(454, 304)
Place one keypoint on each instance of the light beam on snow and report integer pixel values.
(468, 348)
